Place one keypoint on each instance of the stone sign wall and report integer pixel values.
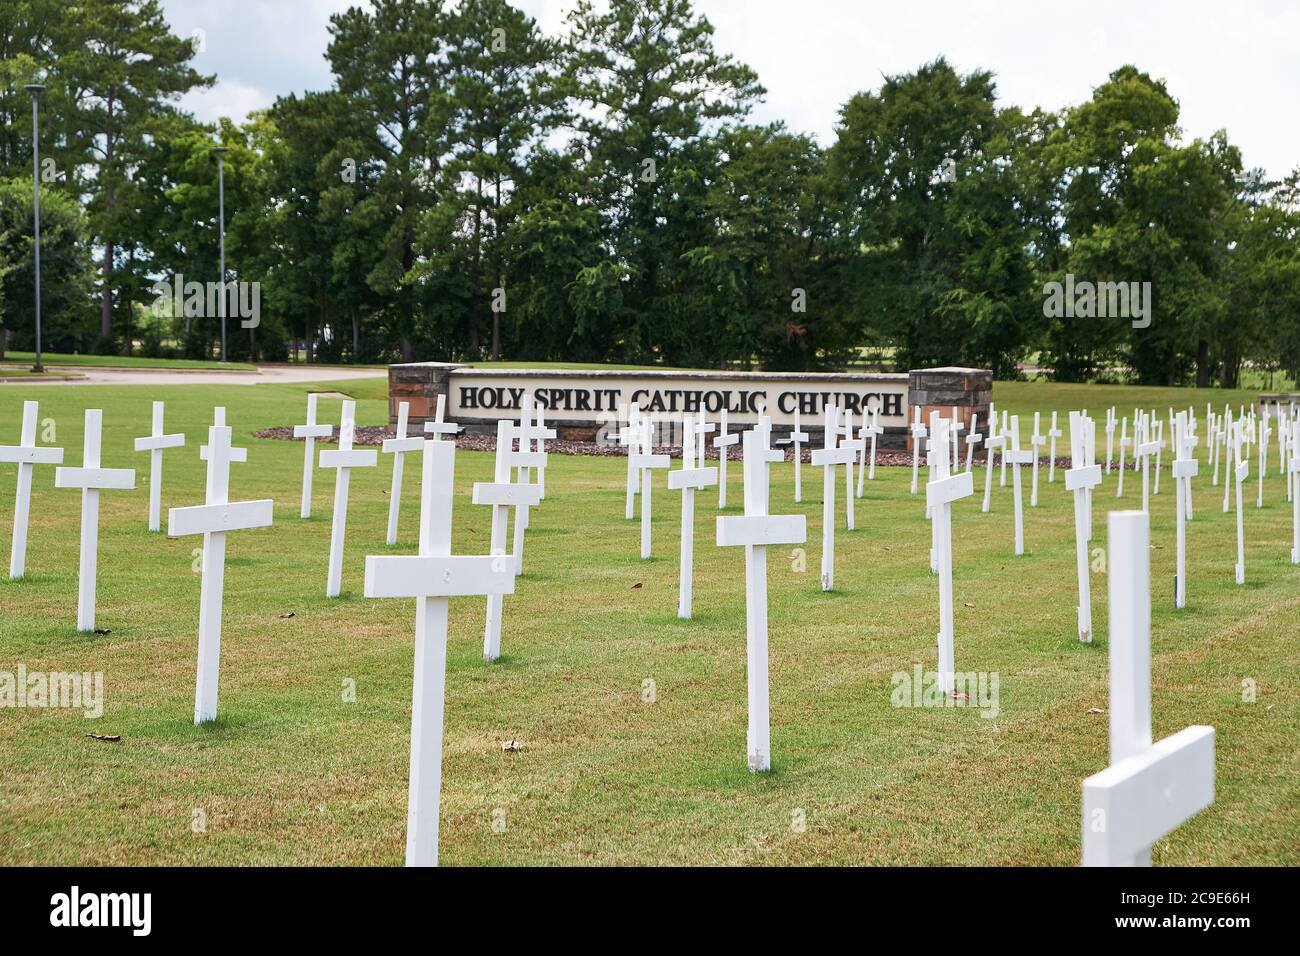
(579, 403)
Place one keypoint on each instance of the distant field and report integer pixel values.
(117, 361)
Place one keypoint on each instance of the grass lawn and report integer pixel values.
(118, 361)
(292, 773)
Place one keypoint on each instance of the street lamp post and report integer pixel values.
(220, 152)
(36, 89)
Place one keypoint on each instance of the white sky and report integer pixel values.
(1230, 63)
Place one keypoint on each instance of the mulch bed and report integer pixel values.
(375, 435)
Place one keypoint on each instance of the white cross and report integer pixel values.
(827, 457)
(629, 437)
(943, 488)
(343, 460)
(703, 429)
(1228, 425)
(686, 480)
(398, 447)
(1003, 483)
(524, 461)
(438, 427)
(1241, 469)
(955, 427)
(858, 447)
(995, 441)
(1123, 443)
(755, 531)
(1263, 433)
(1293, 483)
(1053, 433)
(1214, 425)
(309, 433)
(154, 444)
(1016, 457)
(1110, 436)
(1083, 475)
(431, 578)
(219, 419)
(214, 519)
(870, 431)
(91, 479)
(26, 454)
(1145, 445)
(918, 432)
(973, 438)
(646, 462)
(502, 494)
(797, 438)
(723, 443)
(1036, 441)
(1185, 467)
(1148, 789)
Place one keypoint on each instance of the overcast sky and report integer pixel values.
(1231, 64)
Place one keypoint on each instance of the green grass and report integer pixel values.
(118, 361)
(293, 774)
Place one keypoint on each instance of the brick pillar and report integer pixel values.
(968, 391)
(419, 384)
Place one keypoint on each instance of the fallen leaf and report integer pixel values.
(635, 586)
(511, 746)
(287, 615)
(968, 604)
(111, 738)
(1095, 710)
(103, 630)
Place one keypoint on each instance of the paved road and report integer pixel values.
(163, 376)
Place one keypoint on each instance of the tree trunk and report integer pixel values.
(356, 336)
(106, 294)
(4, 340)
(1202, 364)
(407, 349)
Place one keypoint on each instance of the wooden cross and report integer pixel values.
(1016, 457)
(398, 447)
(214, 519)
(1110, 436)
(524, 460)
(756, 530)
(798, 438)
(1185, 467)
(687, 480)
(1214, 428)
(646, 461)
(629, 436)
(26, 454)
(343, 460)
(1148, 789)
(91, 479)
(439, 427)
(723, 443)
(997, 439)
(154, 444)
(918, 433)
(1053, 433)
(943, 488)
(703, 429)
(1263, 431)
(1036, 441)
(309, 433)
(1241, 470)
(539, 434)
(1083, 475)
(1003, 483)
(431, 577)
(827, 457)
(219, 419)
(502, 494)
(1229, 424)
